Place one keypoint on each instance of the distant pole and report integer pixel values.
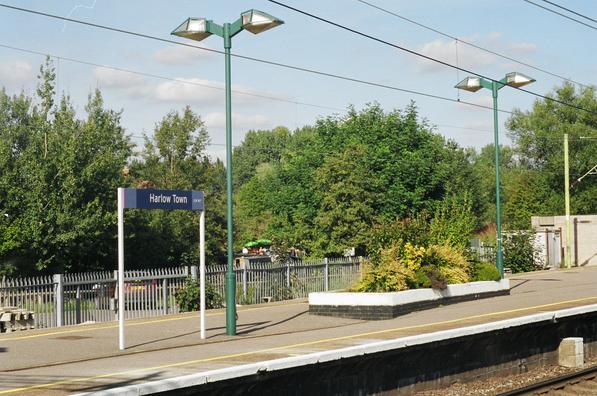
(568, 258)
(121, 268)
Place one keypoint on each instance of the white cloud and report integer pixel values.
(116, 79)
(184, 90)
(16, 72)
(445, 50)
(194, 90)
(494, 36)
(179, 55)
(240, 121)
(467, 56)
(522, 48)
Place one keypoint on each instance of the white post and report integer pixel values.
(121, 268)
(202, 270)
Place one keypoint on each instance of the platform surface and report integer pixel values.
(86, 358)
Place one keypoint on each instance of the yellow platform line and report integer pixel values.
(140, 322)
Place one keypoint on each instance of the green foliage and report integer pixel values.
(404, 266)
(258, 148)
(240, 295)
(519, 252)
(454, 221)
(188, 297)
(175, 158)
(58, 177)
(538, 143)
(450, 261)
(485, 272)
(335, 184)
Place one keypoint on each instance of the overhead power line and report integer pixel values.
(271, 63)
(458, 40)
(136, 72)
(160, 77)
(570, 11)
(418, 54)
(560, 14)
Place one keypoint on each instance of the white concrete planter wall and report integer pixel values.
(375, 306)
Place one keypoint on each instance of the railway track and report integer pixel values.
(583, 382)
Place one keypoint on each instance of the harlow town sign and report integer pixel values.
(132, 198)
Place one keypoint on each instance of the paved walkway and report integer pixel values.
(86, 358)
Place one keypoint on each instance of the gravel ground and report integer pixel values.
(497, 385)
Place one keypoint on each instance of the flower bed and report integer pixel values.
(378, 306)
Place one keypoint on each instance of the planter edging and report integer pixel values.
(379, 306)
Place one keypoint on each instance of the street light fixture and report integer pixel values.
(473, 84)
(198, 29)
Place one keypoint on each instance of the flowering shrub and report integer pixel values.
(405, 266)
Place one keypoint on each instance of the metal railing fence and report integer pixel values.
(69, 299)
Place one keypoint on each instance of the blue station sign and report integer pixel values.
(135, 198)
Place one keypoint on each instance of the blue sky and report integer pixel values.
(512, 27)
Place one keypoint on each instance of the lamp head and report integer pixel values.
(517, 80)
(192, 28)
(471, 84)
(256, 21)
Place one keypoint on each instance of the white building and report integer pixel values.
(550, 235)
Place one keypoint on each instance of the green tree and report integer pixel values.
(175, 158)
(336, 181)
(258, 147)
(538, 142)
(60, 175)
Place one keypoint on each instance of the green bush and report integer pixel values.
(485, 272)
(188, 297)
(519, 252)
(450, 261)
(407, 266)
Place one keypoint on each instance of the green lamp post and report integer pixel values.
(198, 29)
(473, 84)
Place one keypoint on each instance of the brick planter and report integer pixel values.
(379, 306)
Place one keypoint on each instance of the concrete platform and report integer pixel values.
(86, 358)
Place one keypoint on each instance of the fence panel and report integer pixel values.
(92, 296)
(307, 278)
(34, 294)
(265, 283)
(151, 292)
(343, 274)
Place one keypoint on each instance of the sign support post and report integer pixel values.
(158, 199)
(202, 270)
(121, 268)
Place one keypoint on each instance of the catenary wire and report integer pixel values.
(272, 63)
(570, 11)
(458, 40)
(136, 72)
(157, 76)
(560, 14)
(412, 52)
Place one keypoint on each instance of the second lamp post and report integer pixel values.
(198, 29)
(473, 84)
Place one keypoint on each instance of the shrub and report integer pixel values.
(407, 266)
(450, 261)
(454, 221)
(188, 297)
(485, 272)
(519, 252)
(395, 270)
